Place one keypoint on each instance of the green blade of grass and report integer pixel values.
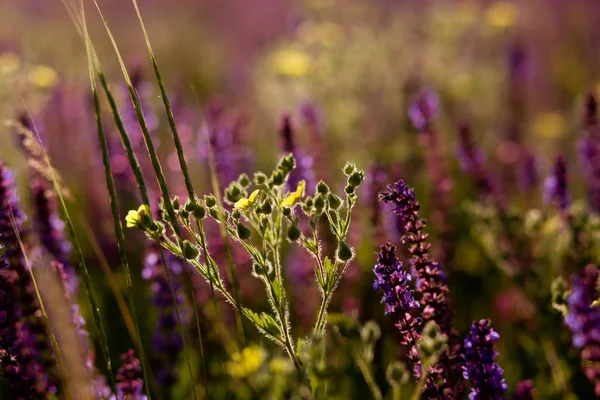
(156, 166)
(114, 205)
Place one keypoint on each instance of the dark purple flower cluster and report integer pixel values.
(398, 298)
(584, 322)
(130, 384)
(304, 162)
(431, 285)
(480, 367)
(555, 186)
(35, 352)
(166, 341)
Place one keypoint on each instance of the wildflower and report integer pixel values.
(589, 150)
(245, 203)
(247, 362)
(43, 77)
(549, 125)
(130, 385)
(480, 368)
(398, 297)
(502, 14)
(584, 322)
(138, 218)
(555, 186)
(295, 196)
(292, 63)
(431, 284)
(424, 109)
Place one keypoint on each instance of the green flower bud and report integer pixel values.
(199, 212)
(287, 164)
(277, 178)
(189, 205)
(349, 168)
(397, 374)
(370, 332)
(287, 211)
(190, 252)
(175, 202)
(319, 202)
(236, 214)
(334, 201)
(210, 201)
(260, 178)
(344, 251)
(233, 193)
(244, 180)
(293, 232)
(243, 232)
(266, 207)
(213, 213)
(184, 214)
(322, 188)
(309, 202)
(356, 178)
(349, 189)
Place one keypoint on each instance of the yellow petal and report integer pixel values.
(253, 196)
(242, 204)
(293, 198)
(132, 219)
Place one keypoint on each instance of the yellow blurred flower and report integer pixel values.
(9, 63)
(549, 125)
(43, 76)
(502, 14)
(294, 197)
(293, 63)
(246, 203)
(246, 362)
(467, 13)
(280, 365)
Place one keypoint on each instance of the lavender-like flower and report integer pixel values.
(130, 384)
(398, 298)
(480, 367)
(472, 162)
(528, 173)
(166, 341)
(424, 109)
(555, 186)
(589, 151)
(304, 162)
(431, 284)
(524, 391)
(20, 380)
(35, 351)
(584, 322)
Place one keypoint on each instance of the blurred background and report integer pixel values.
(346, 71)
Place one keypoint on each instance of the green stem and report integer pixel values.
(368, 375)
(418, 391)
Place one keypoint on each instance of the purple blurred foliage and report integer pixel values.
(480, 367)
(589, 151)
(528, 171)
(304, 162)
(524, 390)
(583, 320)
(130, 384)
(556, 191)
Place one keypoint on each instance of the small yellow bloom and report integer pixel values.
(246, 203)
(292, 63)
(294, 197)
(9, 63)
(280, 365)
(134, 218)
(549, 125)
(502, 14)
(247, 362)
(43, 77)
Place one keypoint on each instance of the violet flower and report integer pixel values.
(431, 285)
(398, 298)
(424, 109)
(589, 151)
(583, 320)
(130, 384)
(555, 186)
(35, 350)
(166, 341)
(480, 367)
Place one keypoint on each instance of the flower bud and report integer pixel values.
(334, 201)
(319, 202)
(356, 178)
(349, 189)
(243, 232)
(322, 188)
(236, 214)
(189, 205)
(397, 374)
(293, 232)
(210, 201)
(199, 212)
(349, 168)
(266, 207)
(244, 180)
(175, 202)
(260, 178)
(277, 178)
(344, 251)
(190, 252)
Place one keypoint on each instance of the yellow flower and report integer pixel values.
(549, 125)
(502, 14)
(43, 76)
(9, 63)
(134, 218)
(293, 63)
(246, 203)
(280, 365)
(294, 197)
(247, 362)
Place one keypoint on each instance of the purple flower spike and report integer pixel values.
(398, 298)
(480, 368)
(130, 385)
(424, 109)
(555, 186)
(584, 322)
